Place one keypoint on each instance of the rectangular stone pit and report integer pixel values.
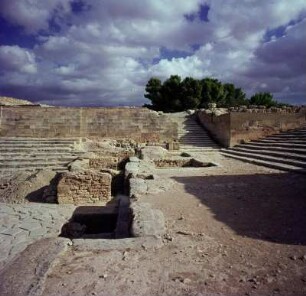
(84, 187)
(91, 222)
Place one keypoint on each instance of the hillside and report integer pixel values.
(8, 101)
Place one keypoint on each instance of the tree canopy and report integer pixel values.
(175, 94)
(264, 99)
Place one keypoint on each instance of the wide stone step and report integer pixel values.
(280, 149)
(287, 137)
(32, 164)
(37, 139)
(293, 132)
(38, 149)
(273, 165)
(292, 141)
(268, 158)
(2, 141)
(34, 146)
(276, 144)
(34, 168)
(34, 158)
(288, 155)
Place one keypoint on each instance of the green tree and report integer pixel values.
(191, 93)
(171, 94)
(212, 92)
(265, 99)
(233, 96)
(153, 93)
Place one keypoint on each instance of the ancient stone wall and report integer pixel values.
(217, 126)
(84, 187)
(253, 126)
(235, 127)
(139, 124)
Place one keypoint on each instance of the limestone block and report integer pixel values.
(153, 153)
(147, 221)
(79, 165)
(138, 187)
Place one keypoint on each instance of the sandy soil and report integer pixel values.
(238, 229)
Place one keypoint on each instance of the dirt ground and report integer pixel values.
(238, 229)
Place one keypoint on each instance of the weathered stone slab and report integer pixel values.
(26, 274)
(147, 221)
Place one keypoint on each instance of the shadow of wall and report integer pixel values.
(270, 207)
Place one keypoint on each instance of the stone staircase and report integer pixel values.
(284, 151)
(192, 136)
(29, 154)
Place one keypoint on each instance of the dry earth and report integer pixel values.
(238, 229)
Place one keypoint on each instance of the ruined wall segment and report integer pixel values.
(234, 128)
(84, 187)
(253, 126)
(139, 124)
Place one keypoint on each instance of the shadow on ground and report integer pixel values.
(269, 207)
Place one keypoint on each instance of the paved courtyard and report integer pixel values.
(21, 225)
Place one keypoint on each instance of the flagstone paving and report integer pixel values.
(21, 225)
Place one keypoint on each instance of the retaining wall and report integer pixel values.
(233, 128)
(139, 124)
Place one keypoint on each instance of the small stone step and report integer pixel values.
(192, 136)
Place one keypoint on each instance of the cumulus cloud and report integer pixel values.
(14, 58)
(103, 52)
(33, 15)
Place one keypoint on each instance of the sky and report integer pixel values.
(103, 52)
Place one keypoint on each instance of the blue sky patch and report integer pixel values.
(79, 6)
(279, 31)
(14, 35)
(201, 14)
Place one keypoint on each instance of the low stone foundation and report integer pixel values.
(84, 187)
(183, 163)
